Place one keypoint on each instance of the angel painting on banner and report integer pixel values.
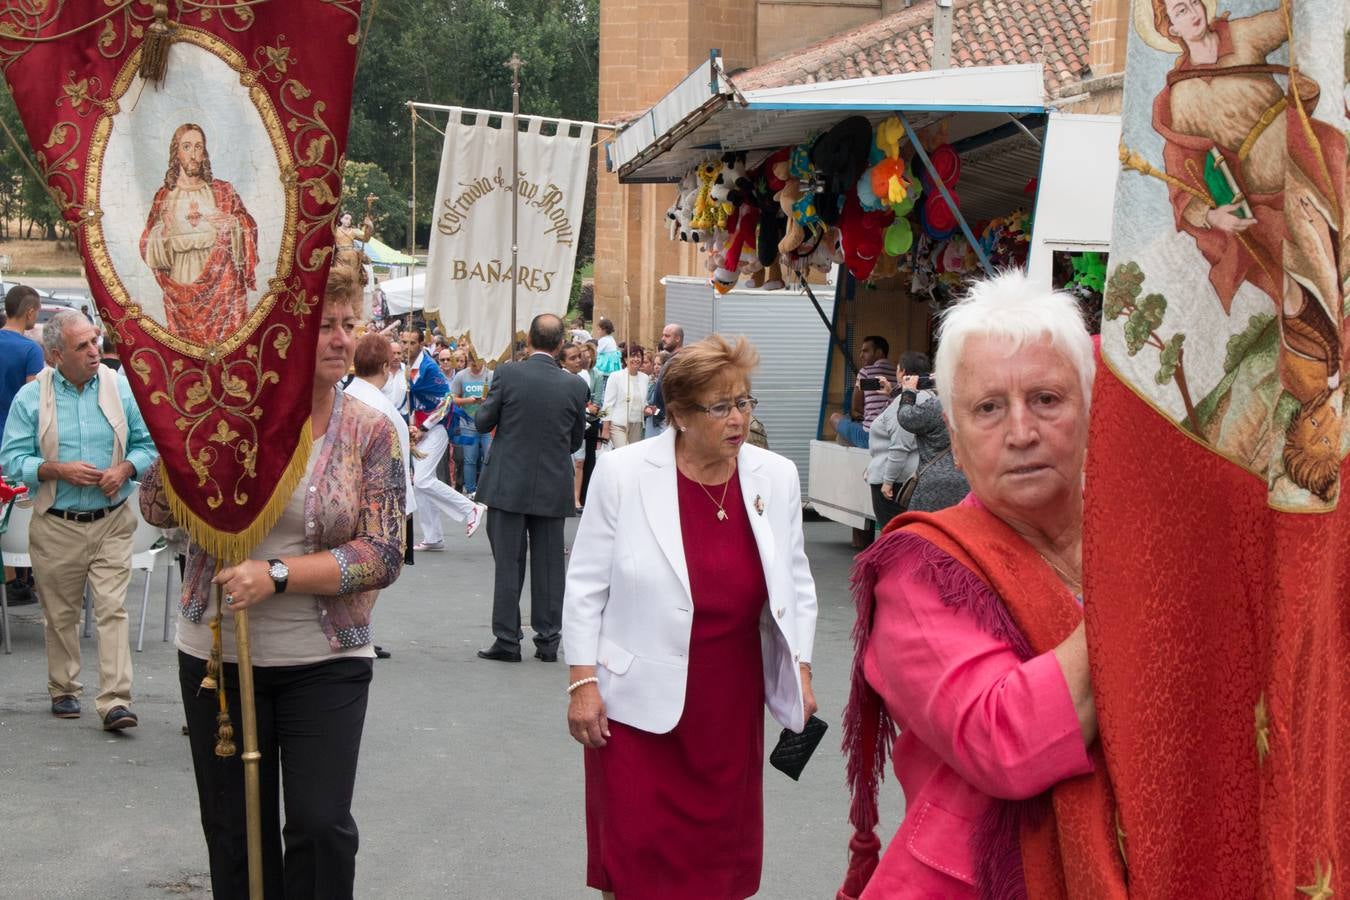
(201, 243)
(1254, 180)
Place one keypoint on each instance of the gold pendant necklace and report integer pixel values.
(1073, 584)
(720, 504)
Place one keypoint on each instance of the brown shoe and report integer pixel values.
(119, 717)
(65, 707)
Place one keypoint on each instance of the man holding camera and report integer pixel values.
(869, 399)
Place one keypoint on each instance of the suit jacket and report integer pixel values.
(539, 411)
(628, 609)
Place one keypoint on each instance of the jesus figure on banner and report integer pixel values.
(201, 243)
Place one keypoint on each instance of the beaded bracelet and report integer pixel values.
(579, 682)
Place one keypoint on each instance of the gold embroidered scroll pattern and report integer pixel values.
(217, 407)
(57, 162)
(315, 148)
(353, 9)
(25, 23)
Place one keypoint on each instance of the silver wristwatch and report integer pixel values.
(279, 573)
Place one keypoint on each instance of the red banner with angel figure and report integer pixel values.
(1216, 541)
(203, 205)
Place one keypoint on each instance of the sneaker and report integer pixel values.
(119, 717)
(18, 593)
(65, 707)
(476, 520)
(425, 547)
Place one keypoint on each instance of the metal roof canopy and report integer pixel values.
(707, 115)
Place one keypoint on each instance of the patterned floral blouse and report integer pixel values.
(353, 509)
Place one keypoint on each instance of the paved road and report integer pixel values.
(469, 784)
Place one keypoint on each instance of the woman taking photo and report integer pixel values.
(970, 637)
(309, 588)
(689, 607)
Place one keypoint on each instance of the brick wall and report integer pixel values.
(786, 25)
(646, 48)
(1107, 34)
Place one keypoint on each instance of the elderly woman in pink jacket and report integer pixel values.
(970, 633)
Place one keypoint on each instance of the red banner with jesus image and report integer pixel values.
(203, 205)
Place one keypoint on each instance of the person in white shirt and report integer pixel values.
(625, 403)
(373, 360)
(396, 384)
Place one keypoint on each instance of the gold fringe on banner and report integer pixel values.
(231, 547)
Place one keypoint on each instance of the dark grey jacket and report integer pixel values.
(941, 485)
(539, 412)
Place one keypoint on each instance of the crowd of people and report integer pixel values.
(687, 606)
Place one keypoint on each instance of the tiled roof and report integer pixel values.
(984, 33)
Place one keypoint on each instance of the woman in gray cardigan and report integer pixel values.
(941, 484)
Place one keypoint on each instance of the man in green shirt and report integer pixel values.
(76, 438)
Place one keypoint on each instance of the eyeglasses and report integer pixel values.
(723, 409)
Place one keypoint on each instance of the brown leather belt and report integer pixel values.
(84, 515)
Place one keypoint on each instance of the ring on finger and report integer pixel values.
(229, 599)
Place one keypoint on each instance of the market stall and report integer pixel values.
(907, 186)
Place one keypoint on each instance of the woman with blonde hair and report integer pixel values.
(310, 587)
(689, 607)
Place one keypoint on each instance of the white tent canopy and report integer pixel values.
(706, 114)
(405, 295)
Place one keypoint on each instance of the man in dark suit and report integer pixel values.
(539, 413)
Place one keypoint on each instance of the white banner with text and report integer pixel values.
(469, 270)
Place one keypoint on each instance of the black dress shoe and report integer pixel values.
(65, 707)
(381, 653)
(119, 717)
(500, 654)
(546, 655)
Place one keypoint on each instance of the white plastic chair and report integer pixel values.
(144, 554)
(14, 552)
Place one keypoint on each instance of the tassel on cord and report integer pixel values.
(215, 680)
(155, 50)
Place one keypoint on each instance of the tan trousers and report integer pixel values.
(620, 435)
(65, 556)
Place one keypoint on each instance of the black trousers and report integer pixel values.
(592, 440)
(882, 509)
(511, 535)
(310, 720)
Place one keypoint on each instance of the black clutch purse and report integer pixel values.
(793, 750)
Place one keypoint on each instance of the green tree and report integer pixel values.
(453, 52)
(389, 212)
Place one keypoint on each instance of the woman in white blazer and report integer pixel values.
(625, 403)
(689, 607)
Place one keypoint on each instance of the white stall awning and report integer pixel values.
(705, 114)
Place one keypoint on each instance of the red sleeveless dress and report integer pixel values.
(680, 816)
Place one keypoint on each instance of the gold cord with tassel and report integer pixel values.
(155, 50)
(215, 681)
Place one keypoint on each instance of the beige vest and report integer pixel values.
(49, 442)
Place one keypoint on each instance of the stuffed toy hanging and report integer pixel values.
(840, 155)
(797, 199)
(703, 219)
(728, 273)
(773, 222)
(861, 234)
(731, 179)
